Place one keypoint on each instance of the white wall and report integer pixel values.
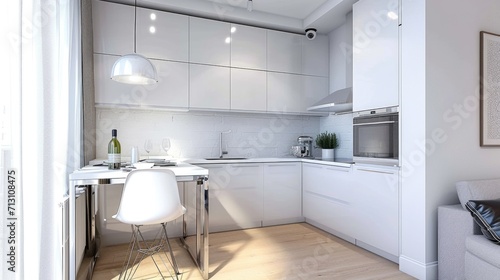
(413, 160)
(340, 77)
(196, 134)
(341, 125)
(440, 51)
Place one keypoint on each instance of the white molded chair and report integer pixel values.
(150, 196)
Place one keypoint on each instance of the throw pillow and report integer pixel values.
(486, 213)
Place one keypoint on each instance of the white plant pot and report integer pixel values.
(327, 154)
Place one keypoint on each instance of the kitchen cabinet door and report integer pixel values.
(171, 91)
(209, 41)
(209, 87)
(282, 193)
(284, 52)
(290, 93)
(328, 198)
(248, 90)
(248, 47)
(162, 35)
(235, 196)
(284, 93)
(313, 90)
(375, 55)
(315, 56)
(377, 207)
(113, 26)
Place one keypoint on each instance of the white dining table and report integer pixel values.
(184, 172)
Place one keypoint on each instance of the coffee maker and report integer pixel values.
(305, 146)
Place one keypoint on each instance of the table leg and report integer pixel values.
(72, 233)
(205, 230)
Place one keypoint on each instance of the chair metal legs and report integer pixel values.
(142, 248)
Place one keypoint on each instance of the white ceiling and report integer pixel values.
(298, 9)
(286, 15)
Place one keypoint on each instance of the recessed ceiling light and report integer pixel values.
(392, 15)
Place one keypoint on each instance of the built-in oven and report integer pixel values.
(376, 136)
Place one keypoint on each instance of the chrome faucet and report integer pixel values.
(221, 151)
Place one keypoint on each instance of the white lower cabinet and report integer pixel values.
(377, 208)
(235, 195)
(328, 198)
(282, 193)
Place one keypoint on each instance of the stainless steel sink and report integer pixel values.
(229, 158)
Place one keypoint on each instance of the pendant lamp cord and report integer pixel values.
(135, 26)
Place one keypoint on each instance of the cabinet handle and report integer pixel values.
(376, 171)
(281, 164)
(341, 169)
(244, 165)
(373, 123)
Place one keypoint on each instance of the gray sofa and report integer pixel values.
(463, 251)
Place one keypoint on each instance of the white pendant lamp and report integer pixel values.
(134, 68)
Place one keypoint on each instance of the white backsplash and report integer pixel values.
(196, 134)
(341, 125)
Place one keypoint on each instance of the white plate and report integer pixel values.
(143, 165)
(156, 160)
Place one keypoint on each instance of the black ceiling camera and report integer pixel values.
(311, 33)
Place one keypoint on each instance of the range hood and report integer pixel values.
(337, 102)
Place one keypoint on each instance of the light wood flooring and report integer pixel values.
(295, 251)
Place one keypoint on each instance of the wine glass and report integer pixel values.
(148, 146)
(165, 144)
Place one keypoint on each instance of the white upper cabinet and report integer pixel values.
(162, 35)
(284, 93)
(248, 90)
(375, 55)
(171, 91)
(284, 52)
(209, 41)
(209, 87)
(315, 56)
(313, 89)
(113, 27)
(248, 47)
(291, 93)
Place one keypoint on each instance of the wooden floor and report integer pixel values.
(295, 251)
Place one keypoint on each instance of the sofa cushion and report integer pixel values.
(483, 249)
(486, 213)
(478, 190)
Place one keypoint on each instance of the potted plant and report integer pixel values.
(328, 143)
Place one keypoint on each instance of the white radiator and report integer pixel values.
(64, 238)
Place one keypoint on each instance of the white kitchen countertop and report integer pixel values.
(267, 160)
(196, 161)
(101, 172)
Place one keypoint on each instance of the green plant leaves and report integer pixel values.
(326, 140)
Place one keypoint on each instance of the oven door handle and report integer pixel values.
(373, 123)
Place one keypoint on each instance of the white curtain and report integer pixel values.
(44, 125)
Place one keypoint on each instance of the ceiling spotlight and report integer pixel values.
(250, 5)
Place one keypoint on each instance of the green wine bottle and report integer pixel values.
(114, 152)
